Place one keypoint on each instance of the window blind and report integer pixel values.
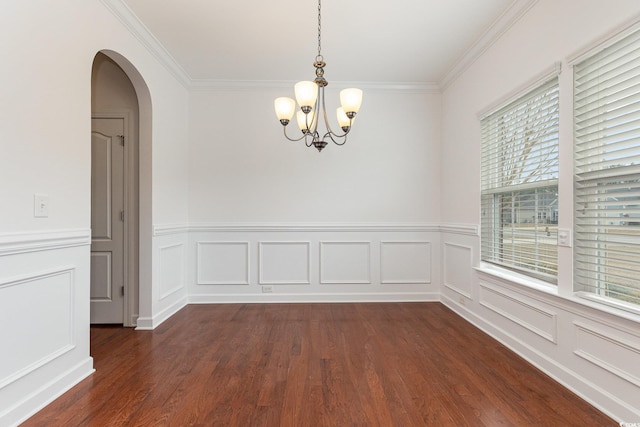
(607, 171)
(519, 184)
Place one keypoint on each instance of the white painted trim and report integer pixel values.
(150, 323)
(429, 244)
(46, 394)
(262, 281)
(603, 363)
(169, 229)
(17, 243)
(464, 229)
(69, 346)
(214, 85)
(200, 281)
(346, 282)
(504, 22)
(181, 285)
(552, 337)
(266, 228)
(261, 298)
(444, 265)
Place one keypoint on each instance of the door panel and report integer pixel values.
(107, 225)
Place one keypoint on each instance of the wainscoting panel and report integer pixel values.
(52, 293)
(312, 263)
(44, 318)
(345, 262)
(405, 262)
(222, 263)
(617, 355)
(519, 309)
(172, 262)
(284, 263)
(458, 261)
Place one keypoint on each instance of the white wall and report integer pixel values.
(45, 114)
(242, 169)
(593, 350)
(339, 225)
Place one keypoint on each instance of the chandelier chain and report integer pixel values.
(319, 31)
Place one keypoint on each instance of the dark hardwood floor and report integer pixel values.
(382, 364)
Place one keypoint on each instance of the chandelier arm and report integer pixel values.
(339, 138)
(324, 113)
(310, 143)
(292, 139)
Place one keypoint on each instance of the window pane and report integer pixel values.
(519, 184)
(607, 169)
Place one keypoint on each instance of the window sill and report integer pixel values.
(584, 299)
(608, 305)
(519, 279)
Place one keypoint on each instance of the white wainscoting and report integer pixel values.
(609, 350)
(312, 263)
(345, 262)
(172, 273)
(172, 262)
(590, 351)
(44, 318)
(405, 262)
(456, 277)
(222, 263)
(52, 293)
(519, 309)
(284, 263)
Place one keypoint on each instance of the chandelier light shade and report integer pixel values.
(310, 98)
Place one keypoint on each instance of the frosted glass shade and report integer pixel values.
(343, 120)
(351, 99)
(304, 119)
(306, 93)
(285, 108)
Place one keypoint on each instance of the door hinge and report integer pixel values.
(122, 216)
(121, 139)
(122, 290)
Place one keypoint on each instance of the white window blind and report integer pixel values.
(519, 197)
(607, 170)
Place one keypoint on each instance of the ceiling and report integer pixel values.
(378, 41)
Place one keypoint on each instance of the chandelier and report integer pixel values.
(310, 97)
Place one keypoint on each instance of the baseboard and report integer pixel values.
(150, 323)
(313, 298)
(46, 394)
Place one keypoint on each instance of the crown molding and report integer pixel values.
(214, 85)
(516, 10)
(126, 16)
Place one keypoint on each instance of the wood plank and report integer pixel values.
(378, 364)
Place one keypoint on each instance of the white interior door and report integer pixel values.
(107, 220)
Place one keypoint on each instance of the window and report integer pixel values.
(519, 195)
(607, 172)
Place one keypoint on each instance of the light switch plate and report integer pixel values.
(40, 205)
(564, 237)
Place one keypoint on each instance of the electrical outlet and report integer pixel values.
(461, 300)
(267, 289)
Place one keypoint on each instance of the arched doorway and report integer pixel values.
(121, 192)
